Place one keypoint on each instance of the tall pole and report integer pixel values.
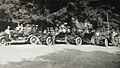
(108, 20)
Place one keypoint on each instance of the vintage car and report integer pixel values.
(70, 38)
(105, 38)
(29, 33)
(66, 35)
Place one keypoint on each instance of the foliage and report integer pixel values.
(95, 11)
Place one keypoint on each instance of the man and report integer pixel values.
(114, 34)
(62, 28)
(98, 33)
(7, 31)
(21, 29)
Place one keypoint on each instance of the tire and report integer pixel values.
(49, 41)
(106, 42)
(33, 40)
(3, 42)
(78, 41)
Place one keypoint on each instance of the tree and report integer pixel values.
(26, 11)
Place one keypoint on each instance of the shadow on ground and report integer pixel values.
(70, 58)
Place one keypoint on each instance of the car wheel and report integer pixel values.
(3, 42)
(49, 41)
(34, 40)
(78, 41)
(106, 42)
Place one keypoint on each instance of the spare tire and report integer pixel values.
(78, 41)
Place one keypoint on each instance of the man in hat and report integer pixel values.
(7, 31)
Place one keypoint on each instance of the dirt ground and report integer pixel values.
(59, 56)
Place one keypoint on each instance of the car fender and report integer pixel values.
(2, 37)
(29, 37)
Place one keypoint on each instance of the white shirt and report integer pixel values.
(98, 33)
(7, 31)
(62, 28)
(114, 33)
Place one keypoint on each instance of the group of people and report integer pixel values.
(19, 30)
(111, 33)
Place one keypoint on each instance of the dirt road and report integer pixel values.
(59, 56)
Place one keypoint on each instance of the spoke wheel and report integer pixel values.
(33, 40)
(3, 42)
(78, 41)
(49, 41)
